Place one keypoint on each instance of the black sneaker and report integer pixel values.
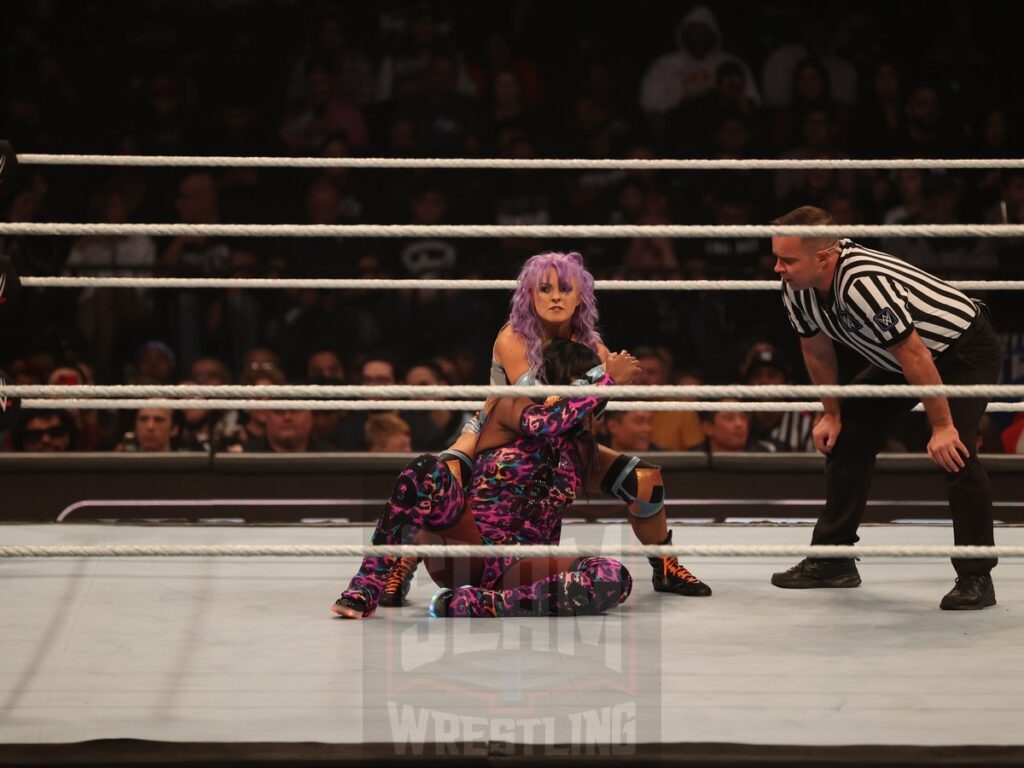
(972, 592)
(349, 604)
(670, 576)
(399, 582)
(811, 573)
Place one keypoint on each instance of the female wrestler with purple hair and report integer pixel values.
(532, 459)
(554, 299)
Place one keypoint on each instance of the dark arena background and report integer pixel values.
(254, 259)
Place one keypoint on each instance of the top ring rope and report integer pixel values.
(757, 392)
(498, 163)
(437, 284)
(518, 230)
(502, 550)
(211, 404)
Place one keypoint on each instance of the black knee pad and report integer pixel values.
(636, 482)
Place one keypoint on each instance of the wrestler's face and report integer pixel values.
(802, 262)
(554, 301)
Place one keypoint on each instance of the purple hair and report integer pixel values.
(524, 319)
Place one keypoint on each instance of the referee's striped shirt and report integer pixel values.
(876, 301)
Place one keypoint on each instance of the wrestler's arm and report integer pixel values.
(510, 352)
(515, 417)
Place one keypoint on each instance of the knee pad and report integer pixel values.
(636, 482)
(459, 464)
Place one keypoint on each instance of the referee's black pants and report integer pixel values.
(975, 358)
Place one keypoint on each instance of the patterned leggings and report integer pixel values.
(591, 585)
(428, 497)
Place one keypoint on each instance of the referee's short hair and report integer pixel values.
(806, 216)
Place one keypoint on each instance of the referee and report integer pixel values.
(912, 328)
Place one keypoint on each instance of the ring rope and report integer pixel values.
(437, 284)
(224, 161)
(502, 550)
(518, 230)
(486, 390)
(432, 405)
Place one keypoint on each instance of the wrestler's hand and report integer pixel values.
(622, 367)
(946, 449)
(826, 431)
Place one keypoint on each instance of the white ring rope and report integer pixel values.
(518, 230)
(437, 284)
(485, 390)
(223, 161)
(502, 550)
(433, 405)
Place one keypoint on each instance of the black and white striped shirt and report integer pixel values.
(876, 301)
(794, 430)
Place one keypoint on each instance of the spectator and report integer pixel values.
(155, 363)
(404, 70)
(725, 431)
(692, 126)
(1013, 436)
(812, 90)
(817, 142)
(165, 126)
(431, 257)
(203, 429)
(994, 137)
(288, 431)
(952, 258)
(90, 436)
(630, 432)
(44, 431)
(323, 363)
(500, 59)
(335, 43)
(322, 113)
(910, 192)
(443, 122)
(156, 430)
(211, 372)
(388, 433)
(729, 432)
(351, 201)
(188, 315)
(816, 39)
(670, 430)
(256, 361)
(255, 423)
(431, 430)
(924, 129)
(690, 71)
(111, 319)
(378, 370)
(880, 113)
(789, 430)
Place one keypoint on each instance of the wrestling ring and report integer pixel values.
(213, 644)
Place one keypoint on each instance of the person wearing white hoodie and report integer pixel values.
(689, 72)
